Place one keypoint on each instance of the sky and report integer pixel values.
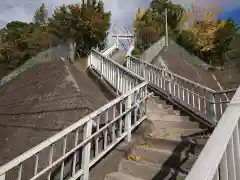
(233, 13)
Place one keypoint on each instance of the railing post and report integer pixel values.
(2, 177)
(86, 150)
(89, 61)
(101, 68)
(118, 81)
(128, 119)
(145, 104)
(143, 71)
(170, 85)
(214, 109)
(128, 62)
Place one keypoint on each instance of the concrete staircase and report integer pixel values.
(170, 146)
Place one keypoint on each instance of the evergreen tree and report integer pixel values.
(40, 15)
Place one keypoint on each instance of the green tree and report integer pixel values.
(41, 15)
(87, 24)
(149, 26)
(224, 35)
(206, 36)
(187, 39)
(174, 12)
(146, 29)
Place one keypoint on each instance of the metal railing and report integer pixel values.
(204, 101)
(89, 139)
(118, 76)
(220, 157)
(109, 51)
(131, 48)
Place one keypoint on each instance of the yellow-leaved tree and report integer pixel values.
(211, 36)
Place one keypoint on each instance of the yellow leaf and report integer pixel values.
(133, 157)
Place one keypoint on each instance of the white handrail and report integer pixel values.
(116, 64)
(108, 51)
(167, 71)
(220, 157)
(64, 132)
(121, 78)
(133, 97)
(202, 100)
(130, 49)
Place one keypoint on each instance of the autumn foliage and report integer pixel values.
(210, 36)
(87, 24)
(197, 29)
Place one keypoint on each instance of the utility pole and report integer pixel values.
(166, 28)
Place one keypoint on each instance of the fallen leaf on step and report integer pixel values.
(144, 145)
(133, 157)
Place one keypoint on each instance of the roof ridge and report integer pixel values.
(72, 78)
(42, 57)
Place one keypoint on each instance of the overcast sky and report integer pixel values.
(122, 10)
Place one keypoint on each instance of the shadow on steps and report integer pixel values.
(172, 167)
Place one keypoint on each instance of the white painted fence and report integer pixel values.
(83, 140)
(109, 50)
(118, 76)
(220, 158)
(204, 101)
(131, 48)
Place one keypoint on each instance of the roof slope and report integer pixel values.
(179, 65)
(179, 61)
(42, 101)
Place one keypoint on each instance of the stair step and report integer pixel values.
(159, 101)
(147, 170)
(174, 123)
(162, 111)
(153, 104)
(153, 107)
(120, 176)
(167, 117)
(166, 158)
(156, 100)
(156, 130)
(176, 145)
(140, 170)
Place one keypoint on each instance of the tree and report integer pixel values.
(86, 24)
(149, 25)
(187, 39)
(210, 36)
(40, 15)
(174, 12)
(224, 35)
(145, 29)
